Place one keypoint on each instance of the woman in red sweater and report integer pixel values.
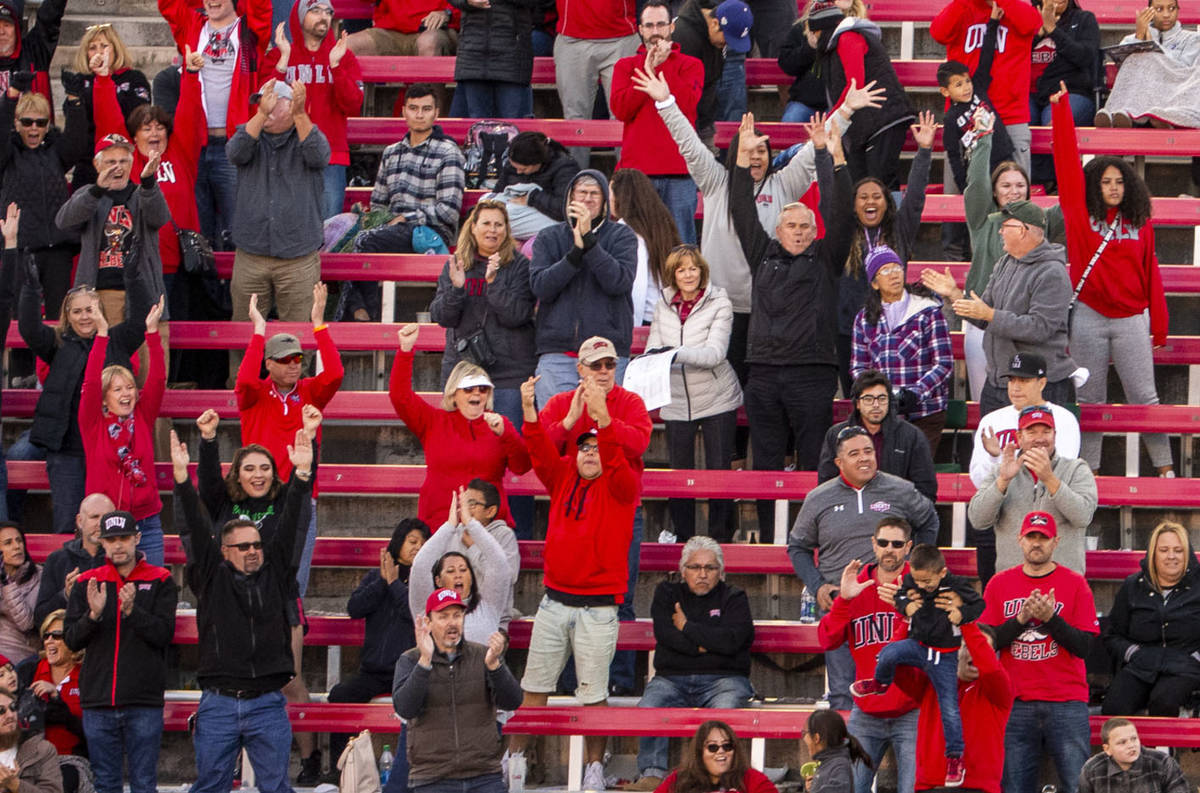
(116, 423)
(1110, 246)
(715, 761)
(463, 439)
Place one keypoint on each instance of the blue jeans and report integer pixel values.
(839, 674)
(507, 402)
(117, 734)
(488, 783)
(543, 44)
(333, 198)
(1083, 110)
(875, 735)
(942, 671)
(310, 543)
(1034, 727)
(796, 113)
(732, 99)
(559, 374)
(225, 725)
(68, 481)
(151, 543)
(685, 691)
(679, 194)
(216, 194)
(491, 99)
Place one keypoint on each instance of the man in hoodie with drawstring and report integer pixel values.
(25, 55)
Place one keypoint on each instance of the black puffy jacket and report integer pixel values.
(797, 58)
(554, 178)
(877, 66)
(1167, 633)
(495, 44)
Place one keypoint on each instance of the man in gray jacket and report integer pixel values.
(838, 521)
(280, 157)
(1024, 307)
(1036, 478)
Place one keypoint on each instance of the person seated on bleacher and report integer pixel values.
(900, 447)
(715, 760)
(77, 555)
(838, 523)
(333, 80)
(123, 614)
(1044, 616)
(20, 577)
(245, 590)
(485, 584)
(56, 685)
(792, 350)
(1124, 766)
(534, 160)
(420, 181)
(1032, 475)
(381, 599)
(1153, 630)
(408, 27)
(594, 493)
(28, 762)
(703, 630)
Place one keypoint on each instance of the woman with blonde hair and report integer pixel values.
(1153, 631)
(463, 438)
(56, 682)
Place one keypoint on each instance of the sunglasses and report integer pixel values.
(713, 748)
(40, 123)
(607, 363)
(476, 389)
(52, 635)
(8, 708)
(893, 543)
(297, 358)
(244, 547)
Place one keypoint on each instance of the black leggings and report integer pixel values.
(1127, 695)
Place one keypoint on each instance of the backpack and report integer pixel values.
(486, 151)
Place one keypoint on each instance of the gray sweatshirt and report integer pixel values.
(840, 522)
(1072, 507)
(492, 564)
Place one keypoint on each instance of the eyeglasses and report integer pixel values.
(589, 448)
(40, 123)
(476, 389)
(288, 359)
(891, 269)
(713, 748)
(473, 503)
(882, 543)
(52, 635)
(873, 399)
(656, 25)
(598, 366)
(245, 547)
(696, 568)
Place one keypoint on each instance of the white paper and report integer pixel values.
(649, 376)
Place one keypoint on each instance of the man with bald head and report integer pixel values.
(793, 308)
(77, 555)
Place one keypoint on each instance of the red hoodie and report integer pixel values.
(630, 422)
(597, 19)
(869, 624)
(177, 171)
(104, 470)
(456, 450)
(646, 144)
(270, 418)
(984, 704)
(591, 520)
(334, 94)
(1125, 280)
(960, 27)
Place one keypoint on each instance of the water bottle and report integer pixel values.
(808, 608)
(385, 764)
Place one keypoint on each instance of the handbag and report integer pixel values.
(195, 252)
(357, 764)
(1112, 229)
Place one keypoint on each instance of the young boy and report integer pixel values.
(926, 598)
(967, 93)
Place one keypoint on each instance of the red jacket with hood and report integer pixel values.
(34, 48)
(646, 144)
(333, 94)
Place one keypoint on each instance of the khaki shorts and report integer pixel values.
(393, 42)
(558, 630)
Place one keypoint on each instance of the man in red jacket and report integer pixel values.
(863, 620)
(593, 494)
(645, 143)
(333, 80)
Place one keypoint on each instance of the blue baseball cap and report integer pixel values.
(735, 19)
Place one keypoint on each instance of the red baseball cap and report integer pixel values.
(113, 140)
(443, 598)
(1035, 414)
(1040, 523)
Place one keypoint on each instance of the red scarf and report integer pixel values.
(120, 434)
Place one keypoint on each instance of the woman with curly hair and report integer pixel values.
(715, 761)
(634, 202)
(1110, 247)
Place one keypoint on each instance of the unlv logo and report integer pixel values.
(874, 628)
(975, 38)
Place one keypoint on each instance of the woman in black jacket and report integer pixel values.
(535, 159)
(1067, 49)
(1153, 632)
(495, 59)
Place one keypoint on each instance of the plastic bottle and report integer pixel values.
(808, 608)
(516, 773)
(385, 764)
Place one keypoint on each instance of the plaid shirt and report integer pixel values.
(1152, 772)
(424, 183)
(916, 355)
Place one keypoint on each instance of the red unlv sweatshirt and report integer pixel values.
(960, 27)
(645, 142)
(597, 19)
(591, 520)
(1125, 280)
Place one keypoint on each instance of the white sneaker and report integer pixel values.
(593, 776)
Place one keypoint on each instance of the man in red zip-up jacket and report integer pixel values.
(866, 623)
(645, 142)
(123, 614)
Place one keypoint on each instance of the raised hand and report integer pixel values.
(464, 508)
(924, 130)
(152, 162)
(69, 582)
(125, 597)
(311, 418)
(580, 218)
(596, 401)
(867, 96)
(815, 127)
(299, 99)
(494, 656)
(320, 297)
(192, 61)
(652, 84)
(529, 398)
(101, 63)
(1038, 461)
(301, 454)
(942, 284)
(424, 638)
(179, 459)
(266, 102)
(98, 313)
(1010, 465)
(834, 136)
(494, 421)
(850, 587)
(991, 444)
(339, 50)
(97, 598)
(748, 140)
(389, 571)
(1060, 93)
(997, 11)
(1049, 17)
(456, 271)
(493, 268)
(10, 225)
(1141, 23)
(453, 514)
(256, 317)
(207, 422)
(155, 314)
(407, 336)
(281, 43)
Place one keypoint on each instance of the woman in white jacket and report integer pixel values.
(694, 318)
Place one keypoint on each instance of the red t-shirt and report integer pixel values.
(1039, 668)
(63, 739)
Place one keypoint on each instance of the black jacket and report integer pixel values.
(797, 58)
(495, 44)
(1076, 55)
(794, 298)
(126, 661)
(54, 576)
(905, 453)
(1167, 634)
(503, 309)
(870, 121)
(691, 34)
(720, 622)
(245, 635)
(389, 628)
(36, 179)
(929, 624)
(554, 178)
(133, 89)
(35, 48)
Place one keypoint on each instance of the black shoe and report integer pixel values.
(310, 770)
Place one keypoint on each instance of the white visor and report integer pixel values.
(475, 379)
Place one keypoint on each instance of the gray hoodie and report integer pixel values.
(1030, 296)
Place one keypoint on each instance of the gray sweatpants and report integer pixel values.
(1094, 339)
(1021, 139)
(578, 64)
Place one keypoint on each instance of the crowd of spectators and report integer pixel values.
(798, 287)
